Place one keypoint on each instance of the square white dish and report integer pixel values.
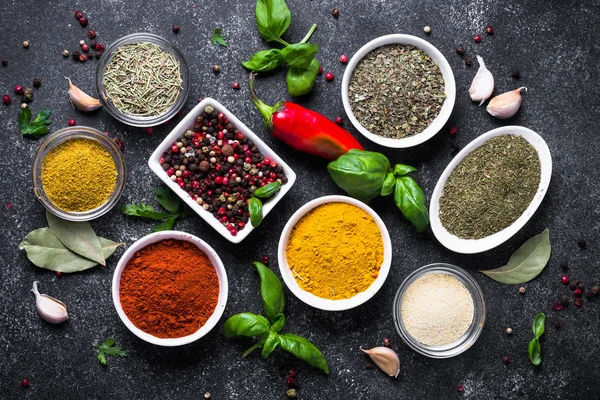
(188, 123)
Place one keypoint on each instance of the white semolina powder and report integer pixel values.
(437, 309)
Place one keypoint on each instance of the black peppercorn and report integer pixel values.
(564, 301)
(460, 50)
(37, 82)
(4, 63)
(596, 290)
(75, 54)
(557, 324)
(468, 62)
(572, 286)
(516, 74)
(589, 295)
(564, 266)
(582, 244)
(176, 28)
(581, 286)
(335, 12)
(216, 69)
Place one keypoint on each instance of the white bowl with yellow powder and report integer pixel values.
(439, 310)
(334, 253)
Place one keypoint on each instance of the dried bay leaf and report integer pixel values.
(45, 250)
(79, 237)
(526, 263)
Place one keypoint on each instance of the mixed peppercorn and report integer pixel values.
(220, 168)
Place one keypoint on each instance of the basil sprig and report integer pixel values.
(365, 175)
(255, 204)
(167, 199)
(273, 18)
(535, 347)
(249, 324)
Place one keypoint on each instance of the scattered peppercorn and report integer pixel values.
(85, 48)
(577, 292)
(216, 69)
(596, 290)
(477, 39)
(564, 266)
(83, 21)
(589, 295)
(460, 388)
(78, 14)
(368, 365)
(236, 85)
(99, 47)
(28, 96)
(265, 260)
(460, 50)
(335, 12)
(515, 74)
(343, 59)
(557, 306)
(427, 29)
(386, 342)
(4, 63)
(58, 273)
(25, 383)
(522, 290)
(26, 44)
(292, 372)
(581, 286)
(65, 53)
(290, 382)
(453, 130)
(83, 58)
(564, 301)
(564, 280)
(91, 34)
(6, 99)
(572, 286)
(119, 143)
(329, 76)
(506, 360)
(557, 324)
(291, 393)
(468, 62)
(320, 72)
(578, 302)
(71, 122)
(509, 331)
(339, 121)
(207, 395)
(489, 30)
(19, 89)
(81, 42)
(176, 28)
(454, 148)
(582, 244)
(75, 55)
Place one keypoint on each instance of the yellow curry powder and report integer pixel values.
(78, 175)
(335, 251)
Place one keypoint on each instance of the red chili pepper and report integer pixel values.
(305, 130)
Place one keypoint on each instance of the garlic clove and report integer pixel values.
(386, 359)
(49, 308)
(507, 104)
(483, 83)
(81, 100)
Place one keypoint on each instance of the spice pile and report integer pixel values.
(396, 91)
(220, 168)
(335, 251)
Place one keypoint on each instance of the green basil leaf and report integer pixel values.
(535, 351)
(539, 324)
(167, 199)
(271, 291)
(264, 60)
(409, 198)
(79, 237)
(300, 81)
(255, 208)
(270, 344)
(402, 169)
(278, 324)
(299, 55)
(145, 211)
(46, 251)
(267, 191)
(273, 18)
(24, 117)
(245, 324)
(526, 263)
(388, 184)
(304, 350)
(360, 173)
(166, 225)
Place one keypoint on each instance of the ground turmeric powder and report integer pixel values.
(335, 251)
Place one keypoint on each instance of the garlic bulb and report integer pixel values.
(483, 83)
(49, 308)
(386, 359)
(81, 100)
(506, 105)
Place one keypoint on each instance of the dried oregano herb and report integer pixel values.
(490, 188)
(142, 79)
(396, 91)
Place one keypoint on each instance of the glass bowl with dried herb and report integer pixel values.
(142, 80)
(490, 189)
(398, 90)
(79, 173)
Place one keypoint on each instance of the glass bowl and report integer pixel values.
(134, 120)
(62, 136)
(470, 336)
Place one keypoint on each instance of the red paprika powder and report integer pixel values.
(169, 289)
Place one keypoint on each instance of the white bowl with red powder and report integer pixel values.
(173, 286)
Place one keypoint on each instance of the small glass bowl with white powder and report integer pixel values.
(439, 310)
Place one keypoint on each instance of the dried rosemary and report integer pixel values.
(142, 79)
(396, 91)
(490, 188)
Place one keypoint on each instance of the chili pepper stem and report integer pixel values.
(266, 110)
(309, 34)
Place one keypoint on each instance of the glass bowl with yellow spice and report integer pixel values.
(142, 80)
(78, 173)
(334, 253)
(439, 310)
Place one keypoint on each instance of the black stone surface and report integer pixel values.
(553, 44)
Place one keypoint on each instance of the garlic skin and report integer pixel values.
(507, 104)
(81, 100)
(49, 308)
(386, 359)
(483, 83)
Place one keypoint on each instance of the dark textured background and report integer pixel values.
(555, 46)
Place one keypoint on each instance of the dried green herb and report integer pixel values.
(396, 91)
(490, 188)
(142, 79)
(79, 237)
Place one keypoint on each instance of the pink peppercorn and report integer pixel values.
(339, 121)
(329, 76)
(6, 99)
(453, 130)
(564, 280)
(343, 59)
(71, 122)
(477, 39)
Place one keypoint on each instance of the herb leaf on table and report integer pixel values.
(264, 60)
(271, 291)
(300, 81)
(299, 55)
(535, 346)
(217, 38)
(304, 350)
(245, 324)
(79, 237)
(167, 199)
(273, 18)
(109, 349)
(410, 199)
(36, 128)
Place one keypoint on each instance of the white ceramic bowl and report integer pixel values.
(214, 259)
(449, 85)
(188, 123)
(319, 302)
(472, 246)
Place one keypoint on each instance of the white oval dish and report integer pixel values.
(472, 246)
(319, 302)
(214, 259)
(449, 85)
(188, 123)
